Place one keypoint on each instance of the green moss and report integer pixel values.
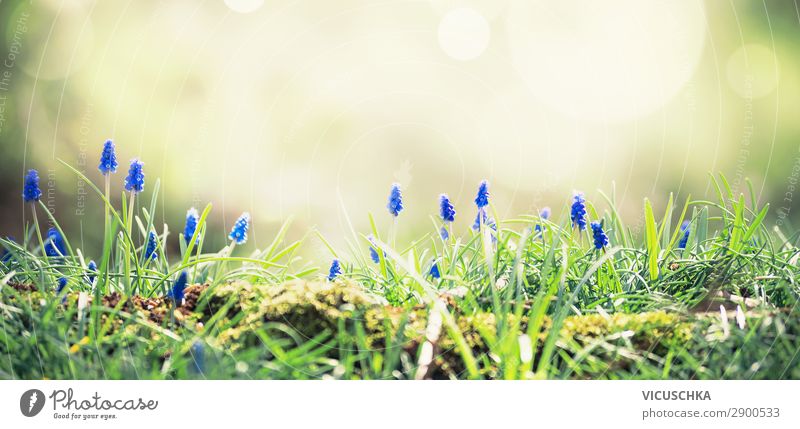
(308, 308)
(645, 328)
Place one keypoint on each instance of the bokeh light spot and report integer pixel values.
(464, 34)
(752, 71)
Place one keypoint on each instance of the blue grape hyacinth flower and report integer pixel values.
(134, 181)
(61, 285)
(448, 214)
(108, 159)
(335, 271)
(446, 210)
(91, 267)
(578, 211)
(239, 231)
(685, 229)
(55, 245)
(176, 294)
(30, 190)
(198, 357)
(482, 199)
(493, 227)
(6, 253)
(599, 236)
(150, 251)
(545, 215)
(434, 271)
(480, 218)
(192, 219)
(373, 253)
(395, 204)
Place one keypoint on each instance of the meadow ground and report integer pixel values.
(707, 290)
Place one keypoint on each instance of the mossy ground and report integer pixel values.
(256, 320)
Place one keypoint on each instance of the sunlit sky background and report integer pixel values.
(312, 109)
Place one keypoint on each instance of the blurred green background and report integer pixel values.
(311, 109)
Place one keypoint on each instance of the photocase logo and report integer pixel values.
(31, 402)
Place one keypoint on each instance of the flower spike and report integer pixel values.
(55, 246)
(482, 199)
(239, 232)
(134, 182)
(545, 215)
(434, 271)
(31, 191)
(335, 271)
(578, 211)
(600, 237)
(61, 286)
(192, 219)
(177, 292)
(152, 246)
(446, 210)
(91, 267)
(395, 204)
(685, 229)
(108, 159)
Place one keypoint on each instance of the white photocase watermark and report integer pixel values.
(791, 187)
(50, 195)
(69, 406)
(10, 60)
(196, 165)
(83, 143)
(748, 129)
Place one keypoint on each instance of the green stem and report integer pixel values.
(106, 232)
(42, 277)
(129, 222)
(36, 225)
(393, 234)
(108, 197)
(129, 227)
